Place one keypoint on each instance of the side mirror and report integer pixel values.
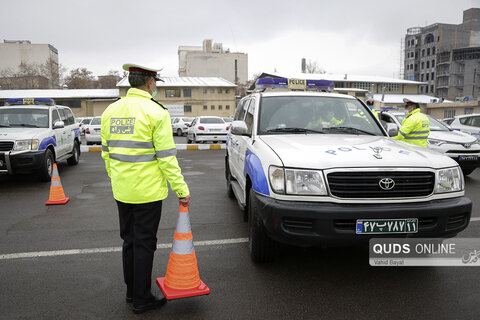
(392, 129)
(58, 125)
(239, 128)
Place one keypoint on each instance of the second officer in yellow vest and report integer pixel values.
(139, 154)
(415, 127)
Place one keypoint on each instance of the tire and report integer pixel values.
(47, 167)
(229, 177)
(195, 139)
(262, 248)
(466, 172)
(188, 140)
(73, 160)
(179, 132)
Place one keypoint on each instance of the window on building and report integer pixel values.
(433, 75)
(187, 109)
(427, 78)
(219, 90)
(421, 77)
(172, 93)
(426, 89)
(220, 107)
(468, 110)
(227, 107)
(411, 66)
(416, 67)
(421, 89)
(416, 54)
(205, 107)
(433, 50)
(433, 63)
(187, 92)
(227, 90)
(449, 113)
(212, 90)
(408, 66)
(428, 64)
(423, 65)
(212, 107)
(390, 87)
(428, 51)
(362, 85)
(432, 89)
(205, 90)
(423, 52)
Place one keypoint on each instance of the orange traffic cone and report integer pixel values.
(57, 196)
(182, 279)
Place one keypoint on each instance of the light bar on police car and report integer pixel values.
(35, 101)
(294, 84)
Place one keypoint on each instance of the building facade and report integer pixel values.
(193, 96)
(445, 57)
(15, 54)
(212, 61)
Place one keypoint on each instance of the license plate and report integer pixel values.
(376, 226)
(468, 158)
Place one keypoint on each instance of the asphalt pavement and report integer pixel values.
(64, 262)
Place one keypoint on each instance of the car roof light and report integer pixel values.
(23, 101)
(263, 84)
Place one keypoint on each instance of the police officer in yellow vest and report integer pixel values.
(139, 154)
(415, 127)
(370, 103)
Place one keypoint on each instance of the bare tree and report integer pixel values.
(110, 80)
(312, 67)
(80, 78)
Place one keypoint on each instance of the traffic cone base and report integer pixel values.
(57, 202)
(171, 293)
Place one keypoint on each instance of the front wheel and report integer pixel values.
(262, 247)
(179, 132)
(73, 160)
(47, 167)
(229, 178)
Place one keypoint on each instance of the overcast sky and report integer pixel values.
(354, 37)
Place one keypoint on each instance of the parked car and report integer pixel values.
(207, 128)
(180, 125)
(460, 146)
(36, 133)
(92, 131)
(469, 123)
(82, 122)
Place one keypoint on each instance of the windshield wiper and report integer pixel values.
(300, 130)
(351, 129)
(24, 125)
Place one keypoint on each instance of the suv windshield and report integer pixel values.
(24, 117)
(315, 114)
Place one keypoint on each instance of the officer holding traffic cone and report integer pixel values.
(139, 154)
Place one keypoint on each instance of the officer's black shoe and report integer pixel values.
(157, 303)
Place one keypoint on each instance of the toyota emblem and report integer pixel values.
(386, 183)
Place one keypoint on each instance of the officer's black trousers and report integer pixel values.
(138, 229)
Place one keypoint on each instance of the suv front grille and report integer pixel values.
(6, 145)
(364, 185)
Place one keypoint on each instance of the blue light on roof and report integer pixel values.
(23, 101)
(283, 83)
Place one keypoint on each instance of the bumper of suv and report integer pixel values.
(313, 223)
(13, 162)
(211, 136)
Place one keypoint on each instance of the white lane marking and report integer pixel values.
(475, 219)
(110, 249)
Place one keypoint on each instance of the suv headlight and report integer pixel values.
(29, 144)
(297, 181)
(448, 180)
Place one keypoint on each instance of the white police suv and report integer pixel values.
(314, 168)
(35, 133)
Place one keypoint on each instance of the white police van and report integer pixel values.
(317, 168)
(36, 133)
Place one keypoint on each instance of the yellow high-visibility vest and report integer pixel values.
(139, 151)
(415, 129)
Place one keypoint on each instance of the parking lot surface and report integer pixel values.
(64, 262)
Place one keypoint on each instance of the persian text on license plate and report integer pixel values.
(377, 226)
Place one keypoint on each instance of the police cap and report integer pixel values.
(137, 69)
